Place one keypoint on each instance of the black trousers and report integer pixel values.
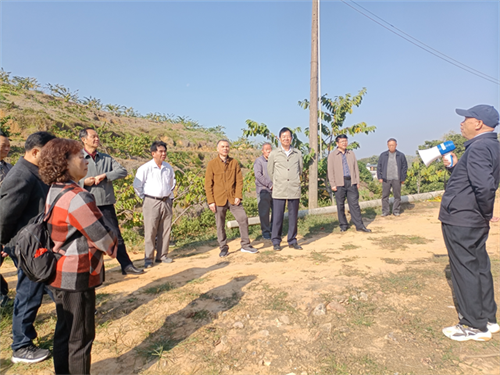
(352, 194)
(4, 286)
(471, 274)
(75, 331)
(279, 214)
(111, 221)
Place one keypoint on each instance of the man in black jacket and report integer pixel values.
(391, 172)
(22, 197)
(466, 210)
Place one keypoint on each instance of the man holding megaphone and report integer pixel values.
(466, 210)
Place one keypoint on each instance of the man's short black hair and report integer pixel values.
(340, 136)
(83, 133)
(2, 134)
(392, 140)
(38, 139)
(156, 144)
(283, 130)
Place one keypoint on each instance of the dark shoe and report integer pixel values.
(224, 253)
(148, 265)
(249, 249)
(157, 260)
(384, 215)
(30, 354)
(130, 269)
(277, 247)
(167, 260)
(266, 238)
(344, 229)
(364, 229)
(296, 246)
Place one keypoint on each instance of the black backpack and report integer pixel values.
(34, 247)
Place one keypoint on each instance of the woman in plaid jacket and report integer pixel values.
(80, 238)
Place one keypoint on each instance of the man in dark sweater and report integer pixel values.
(465, 214)
(22, 197)
(391, 172)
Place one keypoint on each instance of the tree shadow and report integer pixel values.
(127, 303)
(176, 328)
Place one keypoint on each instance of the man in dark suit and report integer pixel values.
(465, 214)
(391, 172)
(22, 197)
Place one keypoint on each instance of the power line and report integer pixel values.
(422, 45)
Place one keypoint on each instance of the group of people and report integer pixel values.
(77, 179)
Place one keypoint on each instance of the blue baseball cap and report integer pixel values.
(486, 113)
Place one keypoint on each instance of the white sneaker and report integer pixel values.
(464, 333)
(493, 327)
(249, 249)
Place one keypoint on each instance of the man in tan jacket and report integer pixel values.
(343, 174)
(224, 190)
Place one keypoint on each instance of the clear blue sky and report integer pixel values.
(221, 63)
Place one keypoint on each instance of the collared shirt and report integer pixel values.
(4, 169)
(345, 167)
(287, 153)
(155, 181)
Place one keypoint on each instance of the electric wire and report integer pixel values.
(424, 46)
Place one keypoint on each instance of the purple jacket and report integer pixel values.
(262, 180)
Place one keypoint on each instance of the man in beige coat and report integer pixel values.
(343, 174)
(284, 167)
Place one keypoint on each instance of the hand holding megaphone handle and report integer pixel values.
(448, 160)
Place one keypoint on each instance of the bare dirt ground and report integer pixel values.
(349, 303)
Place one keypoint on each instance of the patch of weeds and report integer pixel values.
(277, 300)
(402, 282)
(201, 315)
(398, 241)
(349, 246)
(160, 288)
(392, 260)
(362, 313)
(201, 280)
(102, 298)
(332, 365)
(269, 256)
(349, 259)
(229, 302)
(318, 257)
(351, 271)
(158, 348)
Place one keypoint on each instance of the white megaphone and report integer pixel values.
(431, 154)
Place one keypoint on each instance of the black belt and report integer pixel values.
(156, 198)
(347, 177)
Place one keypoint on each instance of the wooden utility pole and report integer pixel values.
(313, 110)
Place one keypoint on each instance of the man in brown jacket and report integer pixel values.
(343, 174)
(224, 190)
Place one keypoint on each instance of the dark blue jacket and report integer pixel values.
(22, 197)
(400, 161)
(470, 192)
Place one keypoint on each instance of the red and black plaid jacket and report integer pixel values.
(77, 228)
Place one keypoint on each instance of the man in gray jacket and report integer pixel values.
(284, 167)
(264, 187)
(391, 172)
(102, 170)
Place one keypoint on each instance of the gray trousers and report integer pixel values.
(264, 204)
(240, 216)
(157, 227)
(386, 190)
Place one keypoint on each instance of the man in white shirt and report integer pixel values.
(154, 183)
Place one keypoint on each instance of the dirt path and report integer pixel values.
(348, 303)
